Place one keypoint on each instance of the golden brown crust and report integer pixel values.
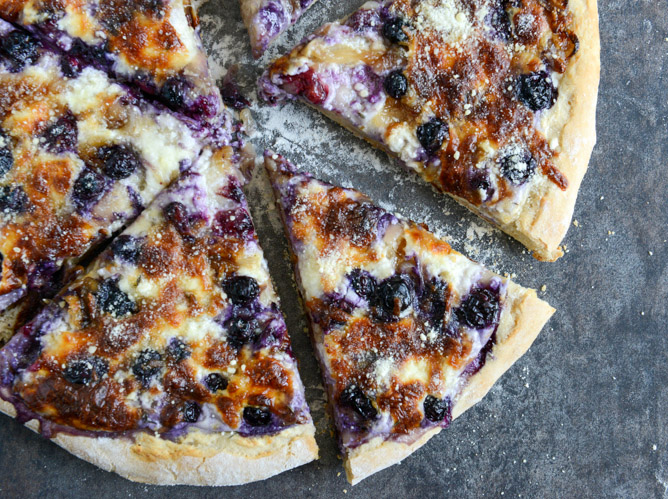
(523, 318)
(196, 459)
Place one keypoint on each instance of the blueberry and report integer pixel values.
(307, 85)
(191, 412)
(120, 161)
(432, 134)
(436, 410)
(363, 284)
(177, 350)
(518, 167)
(13, 200)
(20, 49)
(177, 214)
(393, 30)
(79, 372)
(127, 248)
(88, 186)
(174, 91)
(6, 156)
(435, 302)
(536, 91)
(215, 382)
(479, 181)
(241, 289)
(233, 223)
(62, 135)
(354, 398)
(479, 310)
(111, 299)
(395, 295)
(396, 84)
(240, 332)
(147, 365)
(257, 416)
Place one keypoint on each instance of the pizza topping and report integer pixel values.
(518, 166)
(480, 309)
(395, 295)
(13, 200)
(307, 85)
(127, 248)
(88, 188)
(432, 134)
(257, 416)
(83, 371)
(20, 50)
(120, 161)
(241, 289)
(191, 412)
(396, 84)
(536, 91)
(393, 30)
(354, 398)
(61, 136)
(436, 410)
(215, 382)
(112, 300)
(241, 331)
(364, 284)
(177, 214)
(6, 156)
(174, 91)
(177, 350)
(147, 365)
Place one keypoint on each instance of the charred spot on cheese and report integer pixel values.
(354, 221)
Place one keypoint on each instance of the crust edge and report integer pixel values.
(199, 459)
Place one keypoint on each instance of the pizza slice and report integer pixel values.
(266, 19)
(153, 44)
(169, 361)
(493, 102)
(80, 157)
(409, 333)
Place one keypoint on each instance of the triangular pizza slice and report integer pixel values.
(152, 43)
(266, 19)
(80, 157)
(409, 333)
(493, 102)
(169, 361)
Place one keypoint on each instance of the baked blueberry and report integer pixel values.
(257, 416)
(307, 85)
(354, 398)
(432, 134)
(241, 289)
(120, 161)
(127, 248)
(20, 49)
(436, 410)
(480, 309)
(78, 372)
(393, 30)
(177, 350)
(518, 167)
(215, 382)
(114, 301)
(13, 200)
(178, 215)
(536, 91)
(395, 295)
(88, 186)
(174, 91)
(191, 412)
(61, 135)
(147, 365)
(396, 84)
(240, 331)
(363, 284)
(6, 156)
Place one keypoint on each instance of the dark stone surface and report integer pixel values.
(585, 412)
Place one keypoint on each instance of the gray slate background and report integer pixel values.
(585, 412)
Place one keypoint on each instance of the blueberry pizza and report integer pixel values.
(491, 101)
(168, 360)
(409, 333)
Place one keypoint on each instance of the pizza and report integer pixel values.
(152, 44)
(79, 159)
(266, 19)
(409, 333)
(168, 361)
(491, 101)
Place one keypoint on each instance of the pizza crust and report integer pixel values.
(523, 318)
(197, 459)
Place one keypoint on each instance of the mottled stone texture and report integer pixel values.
(585, 412)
